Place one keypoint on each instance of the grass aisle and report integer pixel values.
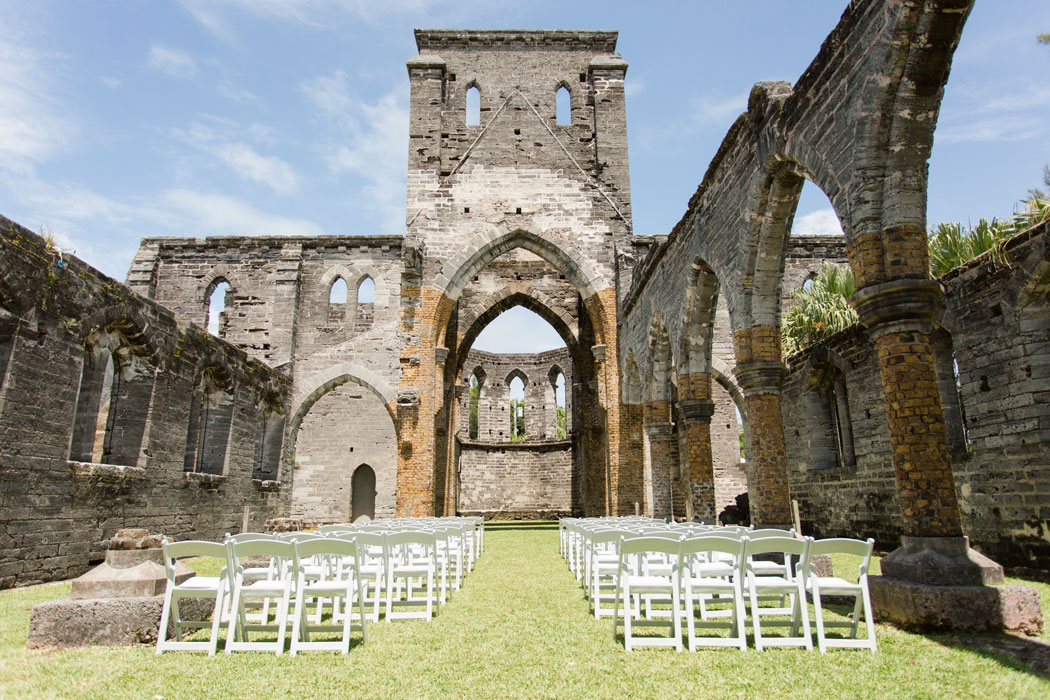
(519, 628)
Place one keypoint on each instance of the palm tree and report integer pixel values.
(820, 309)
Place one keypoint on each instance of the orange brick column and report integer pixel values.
(630, 488)
(661, 442)
(760, 374)
(694, 414)
(897, 316)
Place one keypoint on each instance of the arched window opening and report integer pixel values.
(211, 415)
(831, 428)
(814, 214)
(563, 107)
(363, 494)
(113, 402)
(366, 297)
(473, 106)
(517, 408)
(740, 435)
(949, 385)
(474, 400)
(8, 324)
(268, 445)
(337, 301)
(218, 300)
(337, 292)
(557, 379)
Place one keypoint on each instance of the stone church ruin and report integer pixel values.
(337, 381)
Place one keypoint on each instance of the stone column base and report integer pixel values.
(974, 608)
(947, 561)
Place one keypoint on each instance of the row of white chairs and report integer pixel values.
(650, 573)
(347, 574)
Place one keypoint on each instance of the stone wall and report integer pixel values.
(346, 428)
(516, 479)
(995, 317)
(279, 311)
(60, 322)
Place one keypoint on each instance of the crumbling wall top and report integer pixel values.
(515, 39)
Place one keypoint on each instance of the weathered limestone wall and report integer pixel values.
(536, 370)
(516, 479)
(278, 310)
(346, 428)
(518, 180)
(998, 316)
(57, 511)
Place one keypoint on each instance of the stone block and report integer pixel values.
(104, 621)
(971, 608)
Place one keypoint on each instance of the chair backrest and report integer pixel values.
(843, 545)
(324, 546)
(269, 548)
(334, 527)
(714, 543)
(245, 536)
(646, 543)
(770, 532)
(783, 545)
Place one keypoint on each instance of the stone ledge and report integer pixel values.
(974, 608)
(204, 480)
(266, 484)
(106, 473)
(104, 621)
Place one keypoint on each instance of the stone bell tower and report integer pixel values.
(514, 173)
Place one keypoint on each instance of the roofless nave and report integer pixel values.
(305, 398)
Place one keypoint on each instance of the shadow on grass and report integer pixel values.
(1026, 654)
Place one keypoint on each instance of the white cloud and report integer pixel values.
(113, 83)
(821, 222)
(207, 214)
(367, 140)
(1016, 127)
(241, 157)
(173, 62)
(1012, 109)
(717, 110)
(213, 14)
(249, 164)
(33, 125)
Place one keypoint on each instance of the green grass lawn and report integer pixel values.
(519, 628)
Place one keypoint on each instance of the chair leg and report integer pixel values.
(216, 621)
(236, 620)
(676, 614)
(856, 616)
(869, 620)
(818, 615)
(756, 621)
(802, 611)
(162, 631)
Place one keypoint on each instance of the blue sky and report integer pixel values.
(121, 118)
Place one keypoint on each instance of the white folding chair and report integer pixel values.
(216, 587)
(372, 565)
(410, 558)
(715, 578)
(762, 583)
(277, 589)
(339, 582)
(632, 581)
(820, 586)
(602, 568)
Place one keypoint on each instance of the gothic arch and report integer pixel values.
(332, 377)
(698, 314)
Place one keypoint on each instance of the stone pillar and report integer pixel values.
(897, 316)
(768, 483)
(695, 420)
(661, 438)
